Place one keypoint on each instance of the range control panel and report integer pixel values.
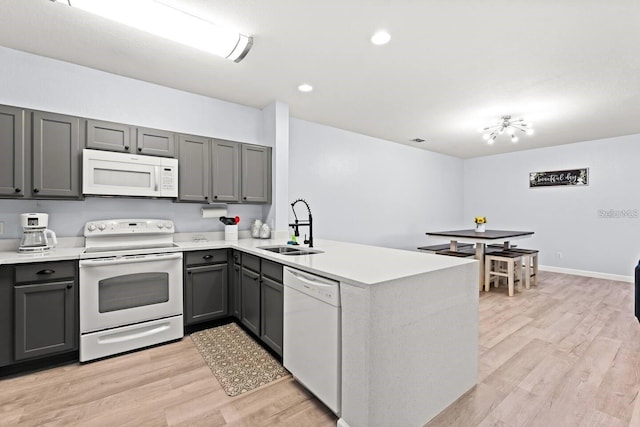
(115, 227)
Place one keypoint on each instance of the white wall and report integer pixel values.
(50, 85)
(565, 219)
(366, 190)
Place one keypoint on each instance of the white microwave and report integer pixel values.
(105, 173)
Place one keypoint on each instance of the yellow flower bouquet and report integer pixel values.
(481, 220)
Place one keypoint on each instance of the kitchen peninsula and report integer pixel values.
(409, 324)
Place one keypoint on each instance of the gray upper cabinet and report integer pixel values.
(12, 144)
(256, 174)
(56, 155)
(153, 142)
(194, 168)
(225, 161)
(110, 136)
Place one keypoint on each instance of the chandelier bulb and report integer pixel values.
(514, 138)
(529, 131)
(486, 136)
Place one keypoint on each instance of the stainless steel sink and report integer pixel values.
(290, 250)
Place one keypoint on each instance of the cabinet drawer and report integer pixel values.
(251, 262)
(48, 271)
(213, 256)
(272, 270)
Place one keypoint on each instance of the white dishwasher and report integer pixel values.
(312, 334)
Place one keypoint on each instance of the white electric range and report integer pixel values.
(130, 286)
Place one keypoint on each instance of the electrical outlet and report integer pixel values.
(559, 254)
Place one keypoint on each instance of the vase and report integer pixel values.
(480, 228)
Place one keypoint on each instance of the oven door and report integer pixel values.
(126, 290)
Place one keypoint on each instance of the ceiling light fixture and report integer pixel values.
(165, 21)
(381, 37)
(305, 87)
(490, 133)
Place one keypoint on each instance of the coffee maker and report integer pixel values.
(36, 237)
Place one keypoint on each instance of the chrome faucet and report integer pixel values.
(297, 224)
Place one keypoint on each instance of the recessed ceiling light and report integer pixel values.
(381, 37)
(305, 87)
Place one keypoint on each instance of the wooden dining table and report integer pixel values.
(481, 239)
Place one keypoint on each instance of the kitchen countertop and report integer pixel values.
(357, 264)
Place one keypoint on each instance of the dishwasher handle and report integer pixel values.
(312, 279)
(318, 287)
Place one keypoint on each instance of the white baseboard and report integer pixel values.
(595, 274)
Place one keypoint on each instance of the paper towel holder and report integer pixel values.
(214, 210)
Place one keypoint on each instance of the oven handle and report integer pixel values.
(118, 261)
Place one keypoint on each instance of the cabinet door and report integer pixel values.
(194, 170)
(205, 293)
(225, 175)
(109, 136)
(256, 174)
(56, 155)
(235, 295)
(6, 315)
(44, 319)
(153, 142)
(12, 160)
(250, 300)
(272, 314)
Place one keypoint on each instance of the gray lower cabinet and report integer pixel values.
(256, 174)
(154, 142)
(6, 315)
(225, 171)
(45, 309)
(194, 170)
(235, 277)
(56, 155)
(44, 319)
(205, 286)
(12, 146)
(250, 299)
(271, 311)
(261, 299)
(110, 136)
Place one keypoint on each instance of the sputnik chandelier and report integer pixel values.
(506, 124)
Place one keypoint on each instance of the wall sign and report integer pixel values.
(554, 178)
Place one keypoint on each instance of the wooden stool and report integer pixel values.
(530, 261)
(513, 272)
(457, 254)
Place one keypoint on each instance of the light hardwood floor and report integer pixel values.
(566, 353)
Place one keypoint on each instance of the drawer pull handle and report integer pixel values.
(207, 257)
(47, 271)
(18, 190)
(126, 147)
(36, 190)
(69, 286)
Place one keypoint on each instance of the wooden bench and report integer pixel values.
(444, 247)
